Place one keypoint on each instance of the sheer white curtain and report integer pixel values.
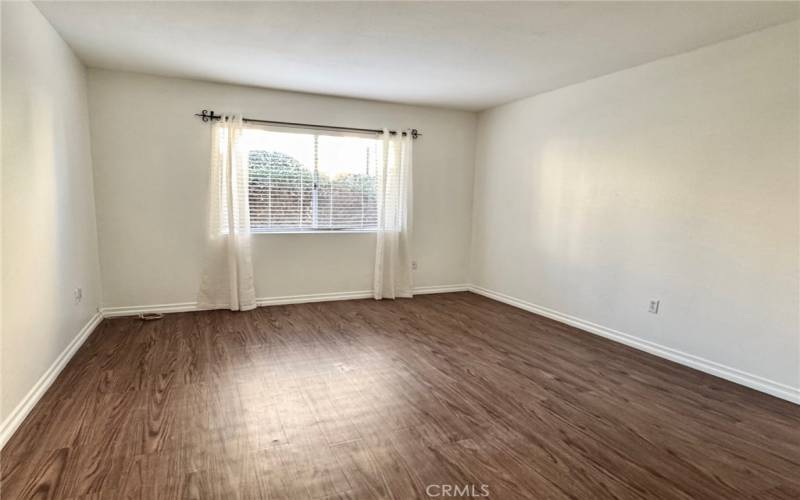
(393, 247)
(227, 280)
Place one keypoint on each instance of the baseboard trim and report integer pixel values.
(740, 377)
(112, 312)
(424, 290)
(17, 416)
(313, 297)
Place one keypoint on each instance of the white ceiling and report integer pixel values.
(468, 55)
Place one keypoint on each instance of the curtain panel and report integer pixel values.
(393, 273)
(227, 279)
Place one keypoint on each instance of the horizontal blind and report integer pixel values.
(311, 181)
(346, 190)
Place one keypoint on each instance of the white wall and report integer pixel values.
(675, 180)
(151, 171)
(49, 241)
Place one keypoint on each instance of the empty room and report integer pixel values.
(399, 250)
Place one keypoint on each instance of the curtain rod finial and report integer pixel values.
(207, 115)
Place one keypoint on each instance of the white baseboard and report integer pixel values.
(756, 382)
(17, 416)
(313, 297)
(362, 294)
(111, 312)
(423, 290)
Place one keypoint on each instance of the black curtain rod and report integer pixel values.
(206, 115)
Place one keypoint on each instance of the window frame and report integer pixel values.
(311, 230)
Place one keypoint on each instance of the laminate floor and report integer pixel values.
(443, 394)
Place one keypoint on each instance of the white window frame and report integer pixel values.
(314, 209)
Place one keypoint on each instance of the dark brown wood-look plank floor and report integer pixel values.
(365, 399)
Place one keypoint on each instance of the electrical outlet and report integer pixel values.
(77, 294)
(654, 304)
(414, 265)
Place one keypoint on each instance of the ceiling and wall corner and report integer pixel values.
(464, 55)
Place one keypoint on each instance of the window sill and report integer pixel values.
(317, 231)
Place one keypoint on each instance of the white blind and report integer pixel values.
(308, 180)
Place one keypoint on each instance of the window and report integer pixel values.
(309, 181)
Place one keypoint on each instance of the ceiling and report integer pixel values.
(466, 55)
